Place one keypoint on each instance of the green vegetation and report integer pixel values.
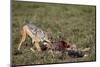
(75, 22)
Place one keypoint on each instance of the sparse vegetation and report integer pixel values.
(75, 22)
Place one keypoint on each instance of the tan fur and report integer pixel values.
(26, 32)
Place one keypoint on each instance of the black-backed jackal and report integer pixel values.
(36, 34)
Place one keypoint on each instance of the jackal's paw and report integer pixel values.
(18, 49)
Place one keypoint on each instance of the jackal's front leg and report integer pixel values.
(37, 46)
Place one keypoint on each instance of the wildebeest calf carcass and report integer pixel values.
(67, 48)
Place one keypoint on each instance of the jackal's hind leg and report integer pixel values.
(23, 33)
